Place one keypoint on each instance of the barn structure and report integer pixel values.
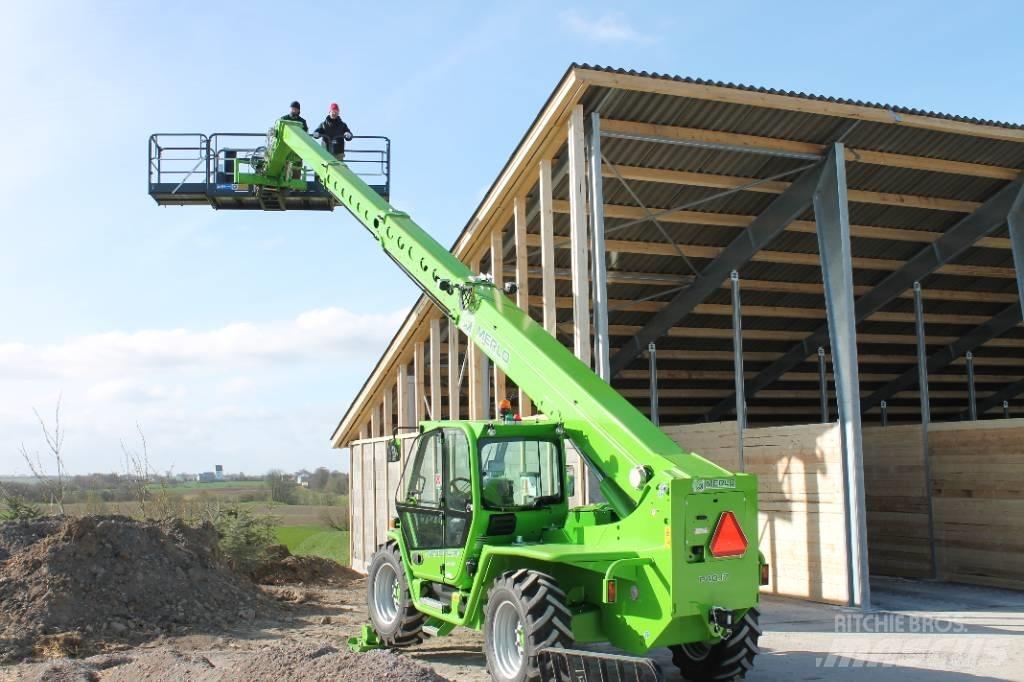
(819, 291)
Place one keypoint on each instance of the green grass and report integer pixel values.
(315, 540)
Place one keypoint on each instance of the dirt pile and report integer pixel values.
(284, 568)
(67, 584)
(310, 663)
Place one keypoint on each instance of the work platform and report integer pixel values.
(188, 169)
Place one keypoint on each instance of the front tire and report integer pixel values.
(729, 659)
(389, 600)
(525, 613)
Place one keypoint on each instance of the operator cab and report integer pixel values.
(187, 169)
(466, 484)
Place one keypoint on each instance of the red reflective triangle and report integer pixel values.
(728, 539)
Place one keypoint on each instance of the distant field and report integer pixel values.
(315, 540)
(212, 485)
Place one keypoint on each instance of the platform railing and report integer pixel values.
(177, 159)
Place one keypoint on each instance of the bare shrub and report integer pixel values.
(56, 484)
(335, 517)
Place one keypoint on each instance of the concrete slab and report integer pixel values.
(919, 631)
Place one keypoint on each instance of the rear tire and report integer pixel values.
(525, 613)
(729, 659)
(389, 600)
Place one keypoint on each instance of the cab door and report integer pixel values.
(435, 504)
(420, 505)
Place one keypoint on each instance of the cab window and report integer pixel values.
(520, 473)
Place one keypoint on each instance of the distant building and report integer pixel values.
(302, 478)
(219, 472)
(206, 477)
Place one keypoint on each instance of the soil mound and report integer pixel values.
(283, 568)
(310, 663)
(66, 584)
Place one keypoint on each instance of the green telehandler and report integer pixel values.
(484, 536)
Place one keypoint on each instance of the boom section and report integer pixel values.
(621, 445)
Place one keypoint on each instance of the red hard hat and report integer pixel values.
(333, 107)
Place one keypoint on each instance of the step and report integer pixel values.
(431, 630)
(435, 604)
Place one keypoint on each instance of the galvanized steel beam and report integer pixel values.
(1000, 324)
(786, 208)
(951, 244)
(600, 262)
(831, 214)
(737, 350)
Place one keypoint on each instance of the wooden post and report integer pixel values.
(435, 368)
(375, 421)
(402, 396)
(476, 410)
(454, 369)
(578, 237)
(497, 268)
(522, 279)
(418, 389)
(547, 246)
(386, 423)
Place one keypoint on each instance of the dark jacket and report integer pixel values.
(333, 131)
(289, 117)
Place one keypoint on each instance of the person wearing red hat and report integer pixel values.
(334, 132)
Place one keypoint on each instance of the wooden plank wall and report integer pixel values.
(897, 506)
(373, 484)
(802, 528)
(978, 488)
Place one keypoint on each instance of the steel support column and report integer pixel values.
(884, 409)
(822, 385)
(600, 268)
(1001, 398)
(926, 418)
(652, 353)
(831, 214)
(922, 357)
(786, 208)
(1003, 322)
(1015, 225)
(737, 360)
(952, 243)
(972, 398)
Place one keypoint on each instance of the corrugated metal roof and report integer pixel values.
(778, 122)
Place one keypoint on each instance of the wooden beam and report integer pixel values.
(807, 105)
(787, 335)
(775, 311)
(402, 396)
(454, 370)
(522, 279)
(654, 279)
(547, 246)
(419, 391)
(475, 369)
(375, 421)
(776, 144)
(577, 208)
(788, 257)
(693, 179)
(435, 368)
(386, 413)
(498, 269)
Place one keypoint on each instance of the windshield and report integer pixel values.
(520, 473)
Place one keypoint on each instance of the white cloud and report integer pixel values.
(610, 27)
(312, 335)
(252, 396)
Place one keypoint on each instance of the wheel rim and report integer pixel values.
(507, 638)
(385, 593)
(697, 651)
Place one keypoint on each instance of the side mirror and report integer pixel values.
(394, 450)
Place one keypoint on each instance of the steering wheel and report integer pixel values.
(461, 486)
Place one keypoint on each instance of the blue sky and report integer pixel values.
(240, 338)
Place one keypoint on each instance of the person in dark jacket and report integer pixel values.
(293, 115)
(334, 132)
